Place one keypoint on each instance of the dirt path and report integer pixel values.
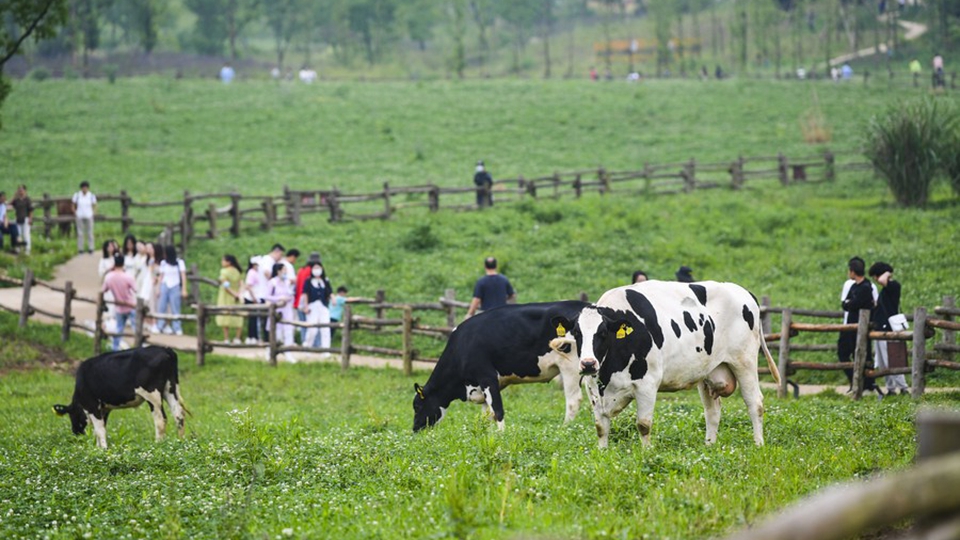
(913, 31)
(82, 271)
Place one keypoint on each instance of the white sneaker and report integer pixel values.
(154, 329)
(166, 330)
(289, 358)
(179, 332)
(324, 356)
(237, 341)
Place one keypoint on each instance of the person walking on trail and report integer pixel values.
(84, 207)
(6, 228)
(228, 295)
(888, 305)
(123, 288)
(484, 183)
(492, 290)
(315, 303)
(173, 289)
(280, 292)
(857, 294)
(23, 211)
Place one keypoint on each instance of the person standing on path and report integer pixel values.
(84, 207)
(5, 226)
(123, 288)
(857, 294)
(280, 292)
(888, 305)
(229, 295)
(492, 290)
(484, 183)
(253, 286)
(23, 209)
(173, 289)
(315, 303)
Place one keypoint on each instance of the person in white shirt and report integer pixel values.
(173, 288)
(84, 206)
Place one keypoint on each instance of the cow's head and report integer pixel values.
(567, 342)
(426, 409)
(600, 331)
(78, 419)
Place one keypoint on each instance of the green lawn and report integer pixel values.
(332, 455)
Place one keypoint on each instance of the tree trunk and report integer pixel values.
(547, 15)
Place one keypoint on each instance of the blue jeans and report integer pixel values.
(122, 319)
(169, 296)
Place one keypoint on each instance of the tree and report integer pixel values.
(419, 17)
(209, 31)
(456, 12)
(143, 21)
(546, 23)
(483, 16)
(282, 19)
(23, 19)
(372, 21)
(521, 15)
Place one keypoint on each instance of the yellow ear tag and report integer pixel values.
(420, 393)
(624, 331)
(561, 331)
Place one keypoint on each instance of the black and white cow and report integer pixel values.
(667, 336)
(503, 346)
(123, 379)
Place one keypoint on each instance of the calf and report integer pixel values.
(665, 336)
(123, 379)
(503, 346)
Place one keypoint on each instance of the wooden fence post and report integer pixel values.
(577, 186)
(782, 169)
(212, 220)
(556, 184)
(194, 284)
(25, 303)
(296, 208)
(184, 234)
(47, 219)
(783, 362)
(647, 177)
(860, 355)
(434, 196)
(386, 200)
(141, 312)
(68, 294)
(949, 336)
(187, 217)
(451, 295)
(938, 433)
(272, 326)
(98, 328)
(736, 173)
(268, 214)
(379, 298)
(919, 382)
(201, 334)
(345, 337)
(604, 179)
(766, 322)
(689, 176)
(407, 340)
(531, 188)
(124, 212)
(830, 172)
(235, 214)
(336, 214)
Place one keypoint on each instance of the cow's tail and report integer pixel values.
(175, 380)
(766, 352)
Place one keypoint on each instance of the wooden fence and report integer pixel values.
(404, 319)
(199, 216)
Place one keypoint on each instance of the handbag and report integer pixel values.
(898, 322)
(896, 354)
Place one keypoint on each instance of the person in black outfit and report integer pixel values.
(484, 183)
(685, 275)
(492, 290)
(888, 305)
(859, 296)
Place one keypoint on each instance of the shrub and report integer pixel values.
(40, 74)
(110, 70)
(909, 145)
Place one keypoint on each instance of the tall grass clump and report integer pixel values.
(909, 145)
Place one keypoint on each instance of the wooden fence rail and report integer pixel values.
(408, 324)
(229, 212)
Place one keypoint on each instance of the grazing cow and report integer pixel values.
(122, 379)
(503, 346)
(65, 209)
(667, 336)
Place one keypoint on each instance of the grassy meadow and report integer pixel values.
(305, 451)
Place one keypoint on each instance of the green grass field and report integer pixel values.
(306, 450)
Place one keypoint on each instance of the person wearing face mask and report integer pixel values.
(280, 292)
(315, 302)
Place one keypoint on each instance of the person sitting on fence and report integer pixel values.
(280, 293)
(6, 228)
(23, 210)
(173, 289)
(484, 183)
(315, 302)
(888, 353)
(228, 295)
(857, 294)
(253, 285)
(123, 290)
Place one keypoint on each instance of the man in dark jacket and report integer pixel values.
(484, 183)
(859, 295)
(888, 305)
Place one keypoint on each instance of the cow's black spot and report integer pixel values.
(676, 327)
(748, 316)
(688, 320)
(642, 307)
(701, 320)
(617, 353)
(708, 335)
(700, 291)
(638, 369)
(699, 349)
